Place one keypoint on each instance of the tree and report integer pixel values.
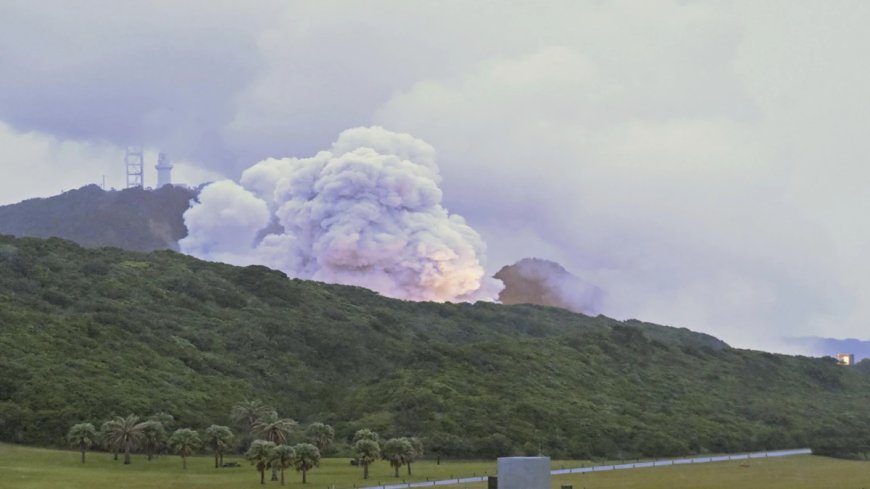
(82, 435)
(153, 436)
(282, 457)
(246, 413)
(367, 451)
(416, 454)
(307, 457)
(124, 432)
(321, 435)
(184, 442)
(218, 438)
(166, 419)
(364, 434)
(260, 456)
(106, 440)
(397, 451)
(275, 430)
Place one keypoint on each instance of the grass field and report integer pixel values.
(32, 468)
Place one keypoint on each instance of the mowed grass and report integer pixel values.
(33, 468)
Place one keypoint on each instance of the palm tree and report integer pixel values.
(184, 442)
(307, 457)
(275, 430)
(417, 453)
(124, 432)
(153, 436)
(367, 451)
(218, 438)
(105, 439)
(246, 413)
(321, 435)
(260, 456)
(82, 435)
(364, 434)
(282, 457)
(397, 451)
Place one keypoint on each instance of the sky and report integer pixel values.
(702, 162)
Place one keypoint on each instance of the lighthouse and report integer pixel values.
(164, 170)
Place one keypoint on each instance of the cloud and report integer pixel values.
(367, 212)
(703, 162)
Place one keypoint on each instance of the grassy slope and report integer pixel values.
(29, 468)
(85, 334)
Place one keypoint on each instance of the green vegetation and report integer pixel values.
(305, 457)
(219, 439)
(185, 442)
(132, 219)
(260, 454)
(36, 468)
(32, 468)
(91, 334)
(82, 435)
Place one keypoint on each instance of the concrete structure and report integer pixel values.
(135, 162)
(164, 170)
(524, 473)
(845, 359)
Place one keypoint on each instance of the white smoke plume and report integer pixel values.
(367, 212)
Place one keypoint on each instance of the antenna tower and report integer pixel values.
(135, 163)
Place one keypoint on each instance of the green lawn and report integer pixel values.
(33, 468)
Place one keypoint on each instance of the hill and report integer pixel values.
(546, 283)
(831, 346)
(88, 333)
(132, 219)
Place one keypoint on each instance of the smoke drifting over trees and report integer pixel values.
(367, 212)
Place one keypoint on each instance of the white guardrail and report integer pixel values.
(605, 468)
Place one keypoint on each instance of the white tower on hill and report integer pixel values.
(164, 170)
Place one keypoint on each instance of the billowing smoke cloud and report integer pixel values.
(536, 281)
(367, 212)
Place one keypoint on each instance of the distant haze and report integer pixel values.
(704, 163)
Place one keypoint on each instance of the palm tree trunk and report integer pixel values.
(222, 459)
(397, 470)
(82, 446)
(263, 476)
(216, 460)
(115, 453)
(304, 476)
(365, 471)
(282, 476)
(409, 468)
(127, 452)
(184, 462)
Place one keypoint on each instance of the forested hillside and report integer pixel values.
(88, 333)
(132, 219)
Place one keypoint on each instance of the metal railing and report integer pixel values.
(605, 468)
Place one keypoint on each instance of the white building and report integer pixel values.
(164, 170)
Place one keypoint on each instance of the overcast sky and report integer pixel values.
(704, 163)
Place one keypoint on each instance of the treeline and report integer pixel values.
(102, 333)
(264, 441)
